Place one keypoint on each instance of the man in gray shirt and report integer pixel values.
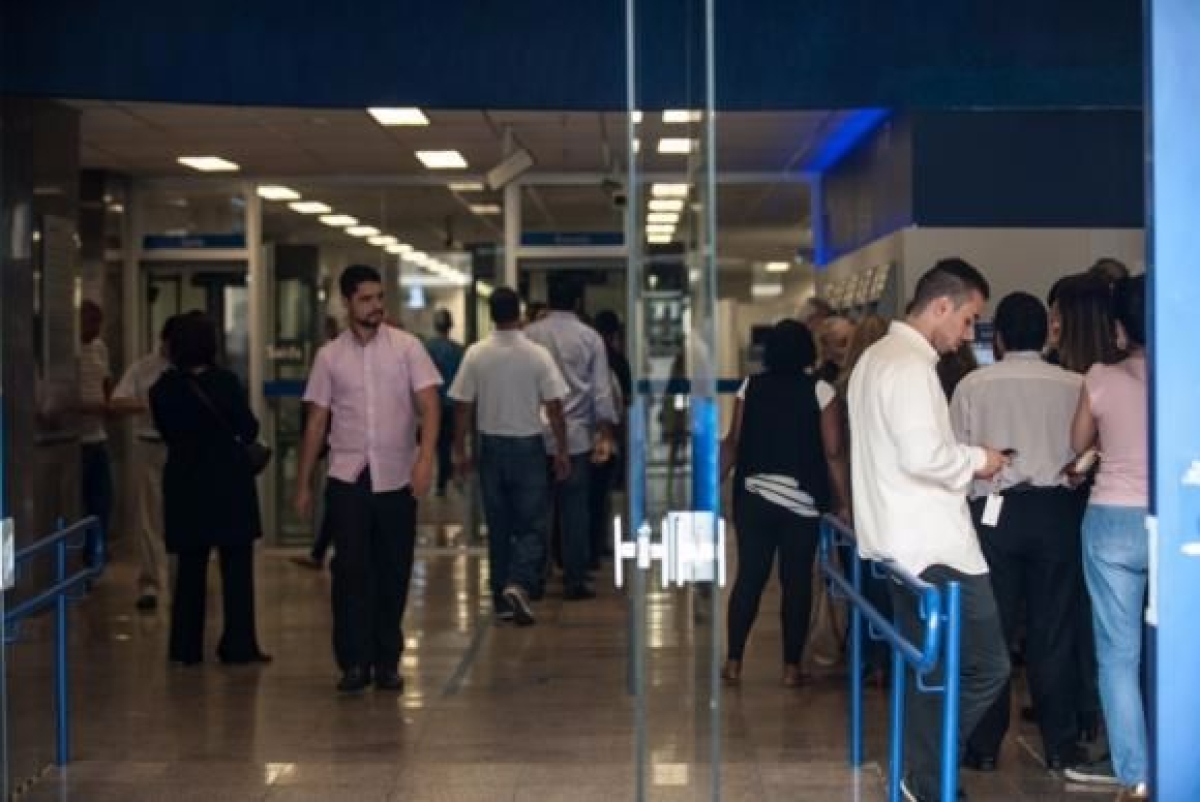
(503, 384)
(590, 416)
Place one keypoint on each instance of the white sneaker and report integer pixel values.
(518, 602)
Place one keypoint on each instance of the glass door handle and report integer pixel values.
(691, 549)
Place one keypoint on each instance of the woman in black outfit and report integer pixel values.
(786, 445)
(209, 496)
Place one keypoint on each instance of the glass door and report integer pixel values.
(672, 538)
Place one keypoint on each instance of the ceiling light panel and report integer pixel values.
(777, 267)
(669, 190)
(339, 220)
(362, 231)
(660, 228)
(398, 116)
(675, 146)
(310, 207)
(209, 164)
(442, 159)
(382, 240)
(485, 208)
(277, 193)
(659, 239)
(675, 116)
(663, 217)
(666, 205)
(466, 186)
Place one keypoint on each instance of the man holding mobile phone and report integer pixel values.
(1028, 519)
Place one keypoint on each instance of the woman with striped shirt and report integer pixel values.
(785, 446)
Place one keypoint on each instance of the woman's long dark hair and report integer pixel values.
(1088, 335)
(789, 348)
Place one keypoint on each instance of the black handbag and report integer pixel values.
(258, 454)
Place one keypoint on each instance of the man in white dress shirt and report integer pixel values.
(910, 479)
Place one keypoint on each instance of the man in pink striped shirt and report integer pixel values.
(377, 385)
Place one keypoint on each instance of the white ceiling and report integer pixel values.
(346, 159)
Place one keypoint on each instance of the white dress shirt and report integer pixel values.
(94, 371)
(508, 378)
(1023, 403)
(910, 474)
(135, 385)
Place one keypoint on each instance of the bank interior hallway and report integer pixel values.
(492, 713)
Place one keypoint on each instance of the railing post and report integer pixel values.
(950, 700)
(61, 690)
(856, 662)
(896, 764)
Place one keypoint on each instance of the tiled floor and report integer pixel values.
(492, 713)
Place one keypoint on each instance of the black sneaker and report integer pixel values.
(388, 680)
(1094, 772)
(518, 605)
(354, 680)
(910, 795)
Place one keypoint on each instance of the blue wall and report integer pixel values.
(548, 54)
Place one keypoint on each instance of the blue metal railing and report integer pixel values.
(64, 590)
(938, 609)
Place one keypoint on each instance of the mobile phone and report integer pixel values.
(1086, 460)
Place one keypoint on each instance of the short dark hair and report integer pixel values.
(168, 327)
(354, 276)
(607, 322)
(563, 293)
(1021, 322)
(1129, 307)
(1109, 270)
(950, 278)
(193, 341)
(789, 348)
(505, 306)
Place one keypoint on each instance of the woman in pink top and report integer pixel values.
(1112, 419)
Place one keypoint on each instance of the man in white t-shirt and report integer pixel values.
(131, 396)
(95, 386)
(504, 383)
(910, 480)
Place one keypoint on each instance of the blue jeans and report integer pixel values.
(574, 511)
(1115, 555)
(516, 505)
(96, 484)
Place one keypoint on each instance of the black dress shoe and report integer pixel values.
(354, 680)
(388, 681)
(976, 762)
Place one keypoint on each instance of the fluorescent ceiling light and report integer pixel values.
(671, 116)
(663, 217)
(466, 186)
(637, 145)
(442, 159)
(484, 289)
(400, 248)
(310, 207)
(766, 290)
(362, 231)
(382, 240)
(660, 228)
(278, 193)
(389, 116)
(659, 239)
(485, 208)
(675, 145)
(777, 267)
(637, 118)
(208, 164)
(418, 257)
(339, 220)
(669, 190)
(665, 205)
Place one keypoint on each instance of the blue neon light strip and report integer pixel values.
(851, 131)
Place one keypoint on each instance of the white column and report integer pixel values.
(256, 285)
(512, 221)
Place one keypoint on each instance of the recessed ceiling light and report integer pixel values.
(660, 228)
(666, 205)
(382, 240)
(442, 159)
(278, 193)
(637, 118)
(208, 164)
(310, 207)
(417, 257)
(675, 145)
(466, 186)
(777, 267)
(485, 208)
(766, 290)
(362, 231)
(671, 116)
(659, 239)
(339, 220)
(663, 217)
(669, 190)
(398, 249)
(389, 116)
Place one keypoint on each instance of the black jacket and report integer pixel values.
(209, 494)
